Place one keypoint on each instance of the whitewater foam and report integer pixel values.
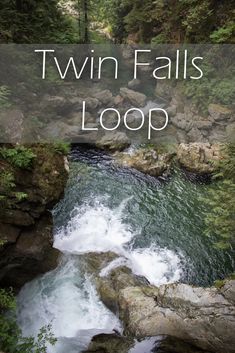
(67, 301)
(94, 228)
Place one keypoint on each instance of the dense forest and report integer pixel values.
(160, 21)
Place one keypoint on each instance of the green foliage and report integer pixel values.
(216, 85)
(225, 34)
(61, 147)
(11, 339)
(18, 156)
(159, 21)
(7, 300)
(20, 196)
(6, 181)
(220, 283)
(220, 219)
(35, 21)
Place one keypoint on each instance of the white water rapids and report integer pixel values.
(66, 298)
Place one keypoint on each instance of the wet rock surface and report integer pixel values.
(202, 317)
(26, 227)
(109, 343)
(147, 161)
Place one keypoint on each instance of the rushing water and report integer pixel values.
(155, 226)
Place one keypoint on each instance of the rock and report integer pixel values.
(134, 84)
(53, 102)
(182, 122)
(95, 262)
(147, 161)
(202, 316)
(195, 135)
(174, 345)
(136, 98)
(171, 111)
(17, 217)
(10, 233)
(92, 103)
(11, 125)
(192, 318)
(230, 131)
(113, 141)
(164, 90)
(218, 135)
(31, 255)
(110, 343)
(118, 100)
(127, 51)
(105, 97)
(26, 226)
(203, 124)
(58, 130)
(198, 157)
(219, 112)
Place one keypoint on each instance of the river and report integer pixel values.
(156, 227)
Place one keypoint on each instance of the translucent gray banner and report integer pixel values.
(117, 93)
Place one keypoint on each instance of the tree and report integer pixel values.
(220, 219)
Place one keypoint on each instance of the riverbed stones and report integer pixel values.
(134, 84)
(113, 141)
(137, 99)
(105, 97)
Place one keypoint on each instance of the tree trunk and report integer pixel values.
(86, 22)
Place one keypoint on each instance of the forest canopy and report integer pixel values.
(159, 21)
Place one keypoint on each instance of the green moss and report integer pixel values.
(221, 282)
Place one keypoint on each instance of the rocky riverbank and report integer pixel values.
(26, 226)
(202, 317)
(197, 158)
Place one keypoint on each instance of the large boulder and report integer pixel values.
(110, 343)
(147, 161)
(198, 158)
(202, 316)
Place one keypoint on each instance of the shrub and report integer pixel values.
(11, 339)
(19, 156)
